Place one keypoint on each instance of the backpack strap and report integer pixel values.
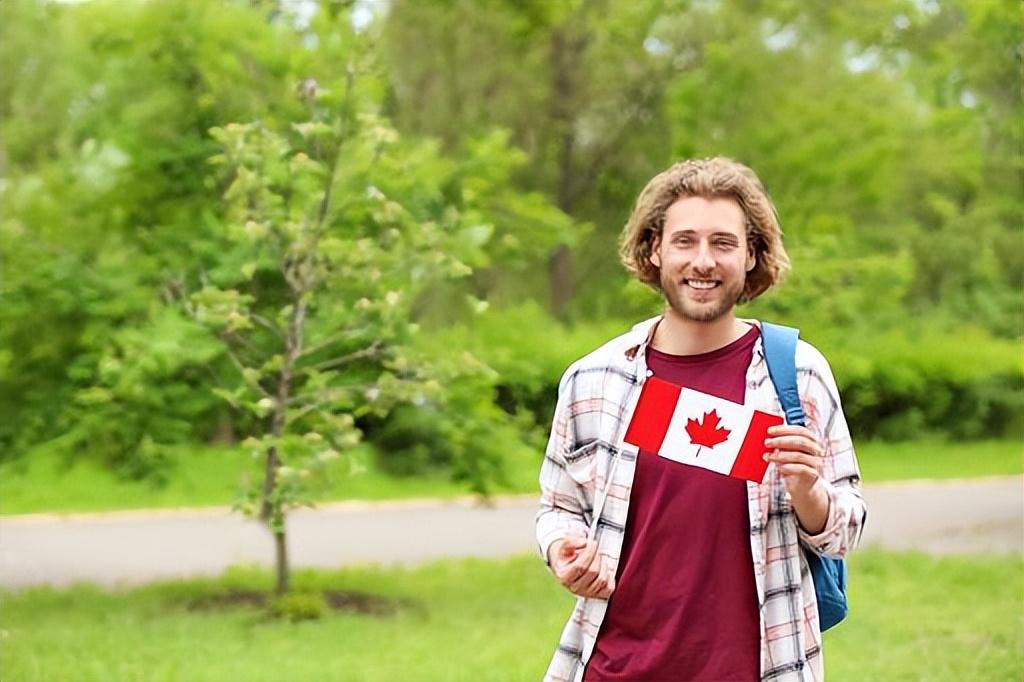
(829, 575)
(779, 344)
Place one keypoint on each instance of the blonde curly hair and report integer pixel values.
(708, 178)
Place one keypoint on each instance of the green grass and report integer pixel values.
(882, 461)
(210, 477)
(914, 618)
(203, 477)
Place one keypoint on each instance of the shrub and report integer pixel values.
(921, 379)
(298, 606)
(901, 384)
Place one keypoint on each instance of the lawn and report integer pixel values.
(914, 618)
(209, 477)
(203, 477)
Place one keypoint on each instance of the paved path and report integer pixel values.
(970, 516)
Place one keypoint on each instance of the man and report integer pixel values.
(685, 573)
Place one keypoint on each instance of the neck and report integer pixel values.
(678, 335)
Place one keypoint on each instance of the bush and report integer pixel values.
(410, 441)
(298, 606)
(460, 428)
(900, 384)
(895, 384)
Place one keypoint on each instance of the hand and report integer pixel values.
(798, 456)
(800, 460)
(580, 567)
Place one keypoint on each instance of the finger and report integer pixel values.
(790, 430)
(599, 590)
(789, 457)
(797, 470)
(593, 588)
(602, 587)
(591, 573)
(571, 545)
(561, 553)
(580, 564)
(797, 443)
(577, 541)
(585, 583)
(586, 554)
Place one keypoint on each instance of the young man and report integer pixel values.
(688, 574)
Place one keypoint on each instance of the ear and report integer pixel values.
(655, 256)
(751, 258)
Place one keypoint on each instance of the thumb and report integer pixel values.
(571, 545)
(576, 541)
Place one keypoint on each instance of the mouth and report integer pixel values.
(702, 284)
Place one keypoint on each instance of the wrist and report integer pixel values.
(812, 507)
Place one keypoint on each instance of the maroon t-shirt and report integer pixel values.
(685, 602)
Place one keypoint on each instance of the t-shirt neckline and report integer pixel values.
(711, 355)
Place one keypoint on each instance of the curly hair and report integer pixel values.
(708, 178)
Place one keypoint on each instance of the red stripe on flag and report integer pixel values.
(750, 464)
(653, 414)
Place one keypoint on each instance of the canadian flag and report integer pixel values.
(701, 430)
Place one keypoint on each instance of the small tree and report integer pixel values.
(334, 227)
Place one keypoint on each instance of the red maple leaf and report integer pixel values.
(708, 433)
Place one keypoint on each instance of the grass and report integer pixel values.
(881, 461)
(914, 618)
(210, 476)
(205, 477)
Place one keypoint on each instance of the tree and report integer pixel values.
(572, 81)
(334, 228)
(104, 115)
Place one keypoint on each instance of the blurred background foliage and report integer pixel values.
(889, 134)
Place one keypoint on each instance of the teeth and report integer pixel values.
(701, 283)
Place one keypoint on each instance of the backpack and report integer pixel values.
(829, 575)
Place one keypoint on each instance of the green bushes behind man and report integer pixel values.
(896, 384)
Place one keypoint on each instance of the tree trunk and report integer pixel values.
(567, 46)
(293, 348)
(281, 562)
(267, 514)
(560, 271)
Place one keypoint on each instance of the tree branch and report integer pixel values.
(241, 370)
(325, 343)
(332, 393)
(370, 351)
(268, 324)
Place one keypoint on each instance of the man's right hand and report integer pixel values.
(580, 568)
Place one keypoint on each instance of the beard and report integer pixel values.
(727, 295)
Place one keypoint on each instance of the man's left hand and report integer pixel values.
(800, 460)
(798, 456)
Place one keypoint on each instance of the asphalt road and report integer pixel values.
(969, 516)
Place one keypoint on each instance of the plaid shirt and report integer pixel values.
(588, 470)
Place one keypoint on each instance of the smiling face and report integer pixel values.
(703, 257)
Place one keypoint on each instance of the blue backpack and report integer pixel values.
(829, 575)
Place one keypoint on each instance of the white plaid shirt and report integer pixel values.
(588, 466)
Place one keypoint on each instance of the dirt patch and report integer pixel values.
(363, 603)
(342, 601)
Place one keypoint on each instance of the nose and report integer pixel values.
(704, 259)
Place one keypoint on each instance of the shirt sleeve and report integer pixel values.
(841, 477)
(561, 512)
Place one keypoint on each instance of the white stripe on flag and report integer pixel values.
(696, 405)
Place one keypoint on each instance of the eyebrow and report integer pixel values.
(694, 232)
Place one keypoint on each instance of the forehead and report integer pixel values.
(705, 216)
